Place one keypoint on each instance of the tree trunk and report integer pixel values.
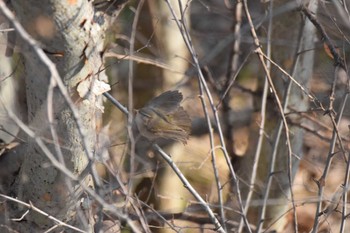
(72, 38)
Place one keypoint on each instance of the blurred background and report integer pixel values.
(248, 113)
(265, 84)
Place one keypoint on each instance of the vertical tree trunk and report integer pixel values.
(72, 38)
(297, 102)
(273, 165)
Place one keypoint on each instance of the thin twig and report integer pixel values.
(321, 181)
(279, 105)
(345, 195)
(233, 77)
(189, 187)
(32, 44)
(339, 67)
(337, 58)
(143, 60)
(262, 121)
(116, 103)
(231, 74)
(168, 159)
(302, 88)
(219, 187)
(132, 142)
(40, 143)
(67, 172)
(187, 39)
(32, 207)
(55, 138)
(213, 154)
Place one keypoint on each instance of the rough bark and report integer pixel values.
(72, 37)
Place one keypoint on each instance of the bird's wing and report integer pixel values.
(181, 119)
(168, 101)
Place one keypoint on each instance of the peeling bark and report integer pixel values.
(71, 38)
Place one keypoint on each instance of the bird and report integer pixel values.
(163, 117)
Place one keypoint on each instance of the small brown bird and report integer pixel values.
(163, 117)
